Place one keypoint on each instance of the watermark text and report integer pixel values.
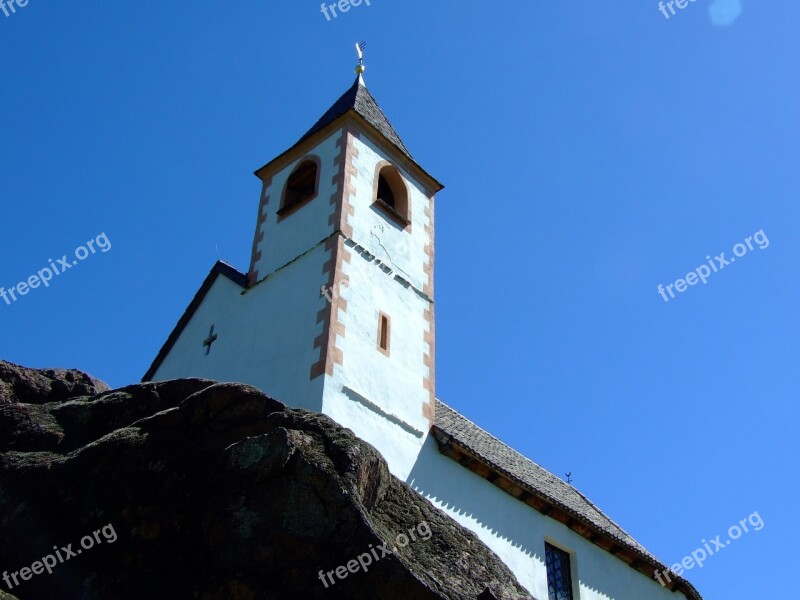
(364, 560)
(703, 272)
(51, 561)
(700, 555)
(45, 275)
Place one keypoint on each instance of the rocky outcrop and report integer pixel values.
(196, 489)
(22, 394)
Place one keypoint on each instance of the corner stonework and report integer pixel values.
(329, 315)
(429, 336)
(252, 275)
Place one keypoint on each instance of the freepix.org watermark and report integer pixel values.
(54, 269)
(51, 561)
(700, 555)
(8, 6)
(343, 6)
(703, 272)
(364, 560)
(671, 5)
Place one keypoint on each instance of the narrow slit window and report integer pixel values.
(384, 333)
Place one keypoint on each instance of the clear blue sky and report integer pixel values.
(591, 152)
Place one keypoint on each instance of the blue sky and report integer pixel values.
(591, 151)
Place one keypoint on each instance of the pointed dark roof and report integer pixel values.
(359, 99)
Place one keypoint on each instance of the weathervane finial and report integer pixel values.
(360, 50)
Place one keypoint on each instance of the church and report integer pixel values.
(335, 314)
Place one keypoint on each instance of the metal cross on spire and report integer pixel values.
(360, 50)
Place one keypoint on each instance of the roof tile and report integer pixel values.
(359, 99)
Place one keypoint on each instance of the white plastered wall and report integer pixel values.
(263, 339)
(402, 250)
(308, 225)
(381, 397)
(266, 334)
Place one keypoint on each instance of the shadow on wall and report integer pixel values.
(444, 481)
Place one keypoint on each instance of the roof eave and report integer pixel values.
(461, 453)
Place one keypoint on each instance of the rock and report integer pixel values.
(196, 489)
(38, 386)
(23, 393)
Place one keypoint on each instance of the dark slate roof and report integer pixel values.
(507, 461)
(359, 99)
(219, 268)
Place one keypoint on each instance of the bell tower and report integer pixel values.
(336, 311)
(351, 195)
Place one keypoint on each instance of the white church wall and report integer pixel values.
(187, 357)
(301, 230)
(398, 444)
(380, 397)
(265, 336)
(402, 249)
(517, 533)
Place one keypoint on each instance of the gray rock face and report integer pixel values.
(212, 491)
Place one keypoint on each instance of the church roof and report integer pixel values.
(477, 450)
(358, 99)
